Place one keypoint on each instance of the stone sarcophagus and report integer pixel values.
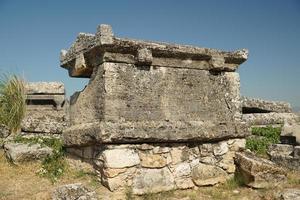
(45, 113)
(151, 92)
(150, 108)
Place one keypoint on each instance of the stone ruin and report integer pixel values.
(258, 112)
(154, 116)
(46, 109)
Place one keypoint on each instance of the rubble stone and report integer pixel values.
(74, 191)
(258, 172)
(18, 152)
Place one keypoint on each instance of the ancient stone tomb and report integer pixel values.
(154, 116)
(45, 113)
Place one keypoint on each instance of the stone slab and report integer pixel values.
(18, 152)
(116, 133)
(44, 121)
(259, 105)
(90, 46)
(45, 88)
(271, 118)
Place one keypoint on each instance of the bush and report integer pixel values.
(12, 102)
(262, 138)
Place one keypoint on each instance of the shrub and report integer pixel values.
(12, 102)
(263, 137)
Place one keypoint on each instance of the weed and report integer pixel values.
(263, 137)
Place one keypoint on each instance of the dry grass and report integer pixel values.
(22, 182)
(12, 101)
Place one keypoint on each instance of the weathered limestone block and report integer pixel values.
(44, 121)
(285, 155)
(73, 192)
(280, 150)
(45, 102)
(291, 129)
(45, 88)
(119, 158)
(18, 152)
(203, 175)
(258, 172)
(154, 160)
(220, 148)
(269, 118)
(227, 162)
(236, 144)
(182, 175)
(153, 181)
(251, 105)
(149, 92)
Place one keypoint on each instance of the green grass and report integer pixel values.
(12, 102)
(263, 137)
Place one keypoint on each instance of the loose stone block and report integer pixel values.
(72, 192)
(18, 152)
(258, 172)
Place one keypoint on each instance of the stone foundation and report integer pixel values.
(151, 168)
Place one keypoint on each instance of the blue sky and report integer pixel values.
(32, 33)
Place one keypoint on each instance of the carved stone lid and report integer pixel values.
(89, 51)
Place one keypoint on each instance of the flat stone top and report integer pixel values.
(45, 88)
(104, 41)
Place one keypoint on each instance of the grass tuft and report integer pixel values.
(12, 102)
